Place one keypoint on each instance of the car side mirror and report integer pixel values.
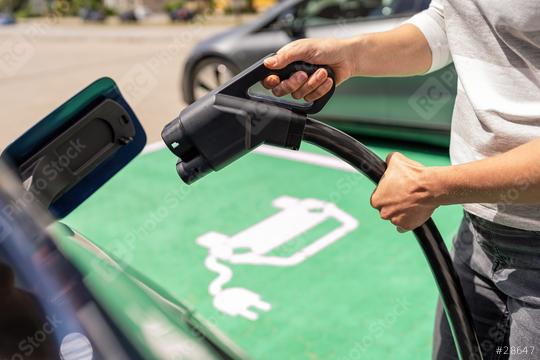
(293, 26)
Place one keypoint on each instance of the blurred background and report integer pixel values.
(165, 54)
(52, 49)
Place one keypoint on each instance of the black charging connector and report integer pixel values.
(229, 122)
(243, 125)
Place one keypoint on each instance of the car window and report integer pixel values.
(323, 12)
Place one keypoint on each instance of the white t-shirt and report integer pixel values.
(495, 47)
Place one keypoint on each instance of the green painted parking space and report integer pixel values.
(320, 275)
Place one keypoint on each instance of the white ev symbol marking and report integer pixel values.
(254, 243)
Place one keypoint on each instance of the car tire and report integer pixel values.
(208, 74)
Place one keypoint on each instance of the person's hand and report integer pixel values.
(331, 52)
(404, 194)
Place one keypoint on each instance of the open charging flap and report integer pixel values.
(72, 152)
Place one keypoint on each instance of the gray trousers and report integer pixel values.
(499, 269)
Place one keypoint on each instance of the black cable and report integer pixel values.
(428, 236)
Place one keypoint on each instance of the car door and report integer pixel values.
(264, 37)
(420, 102)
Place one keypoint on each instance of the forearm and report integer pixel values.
(399, 52)
(511, 177)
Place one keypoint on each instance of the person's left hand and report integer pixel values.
(403, 195)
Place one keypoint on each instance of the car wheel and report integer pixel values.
(208, 74)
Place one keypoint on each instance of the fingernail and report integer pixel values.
(320, 73)
(270, 61)
(301, 75)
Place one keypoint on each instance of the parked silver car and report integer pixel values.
(416, 108)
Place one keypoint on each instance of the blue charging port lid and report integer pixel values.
(64, 158)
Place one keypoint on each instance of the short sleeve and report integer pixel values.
(431, 23)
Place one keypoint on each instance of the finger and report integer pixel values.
(399, 156)
(314, 81)
(320, 91)
(292, 84)
(375, 200)
(401, 230)
(271, 81)
(385, 214)
(391, 155)
(286, 55)
(271, 62)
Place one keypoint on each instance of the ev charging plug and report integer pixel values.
(229, 122)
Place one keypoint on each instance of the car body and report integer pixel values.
(56, 297)
(7, 19)
(92, 15)
(415, 108)
(182, 14)
(128, 16)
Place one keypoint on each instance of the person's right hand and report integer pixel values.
(332, 52)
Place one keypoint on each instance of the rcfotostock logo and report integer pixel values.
(258, 120)
(5, 230)
(15, 53)
(38, 185)
(31, 344)
(53, 168)
(141, 79)
(433, 95)
(138, 83)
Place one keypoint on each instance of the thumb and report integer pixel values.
(397, 156)
(401, 230)
(393, 155)
(286, 55)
